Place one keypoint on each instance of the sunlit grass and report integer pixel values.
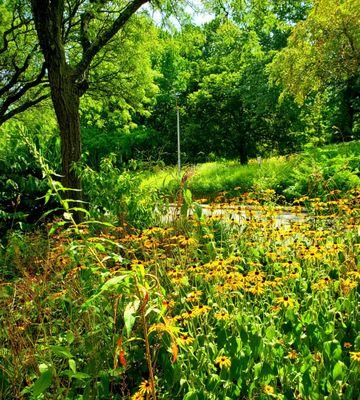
(278, 173)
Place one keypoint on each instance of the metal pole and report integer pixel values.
(178, 136)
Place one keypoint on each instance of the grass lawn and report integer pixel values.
(319, 170)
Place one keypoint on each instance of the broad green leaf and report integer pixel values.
(339, 370)
(113, 282)
(61, 351)
(70, 337)
(42, 384)
(187, 197)
(81, 375)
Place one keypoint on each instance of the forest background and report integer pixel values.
(251, 78)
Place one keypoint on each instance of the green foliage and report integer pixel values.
(125, 89)
(321, 61)
(114, 195)
(21, 179)
(321, 171)
(322, 49)
(316, 171)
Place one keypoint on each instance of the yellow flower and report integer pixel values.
(268, 389)
(292, 355)
(187, 242)
(347, 285)
(145, 387)
(355, 274)
(285, 301)
(223, 362)
(321, 284)
(355, 355)
(186, 339)
(208, 236)
(201, 309)
(188, 314)
(223, 315)
(137, 396)
(168, 303)
(194, 296)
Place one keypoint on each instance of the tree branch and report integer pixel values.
(23, 107)
(17, 95)
(105, 37)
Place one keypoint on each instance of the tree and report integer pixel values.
(23, 81)
(219, 70)
(324, 51)
(71, 34)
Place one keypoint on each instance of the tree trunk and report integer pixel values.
(243, 155)
(66, 102)
(65, 92)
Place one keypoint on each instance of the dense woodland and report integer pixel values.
(108, 288)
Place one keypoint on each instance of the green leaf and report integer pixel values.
(56, 226)
(129, 317)
(81, 375)
(110, 284)
(339, 371)
(61, 351)
(270, 332)
(42, 384)
(70, 337)
(187, 197)
(48, 195)
(191, 396)
(113, 282)
(72, 365)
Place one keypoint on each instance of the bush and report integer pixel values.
(116, 195)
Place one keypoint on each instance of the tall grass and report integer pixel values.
(321, 169)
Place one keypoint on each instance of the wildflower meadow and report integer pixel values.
(248, 300)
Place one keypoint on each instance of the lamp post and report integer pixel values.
(178, 135)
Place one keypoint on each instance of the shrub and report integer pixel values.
(116, 195)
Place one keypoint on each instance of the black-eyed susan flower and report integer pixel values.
(347, 285)
(137, 396)
(168, 303)
(193, 296)
(286, 301)
(267, 389)
(223, 362)
(145, 387)
(201, 309)
(292, 355)
(355, 355)
(186, 339)
(188, 314)
(222, 315)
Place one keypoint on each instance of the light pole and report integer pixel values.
(178, 135)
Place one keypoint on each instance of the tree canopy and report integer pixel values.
(257, 77)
